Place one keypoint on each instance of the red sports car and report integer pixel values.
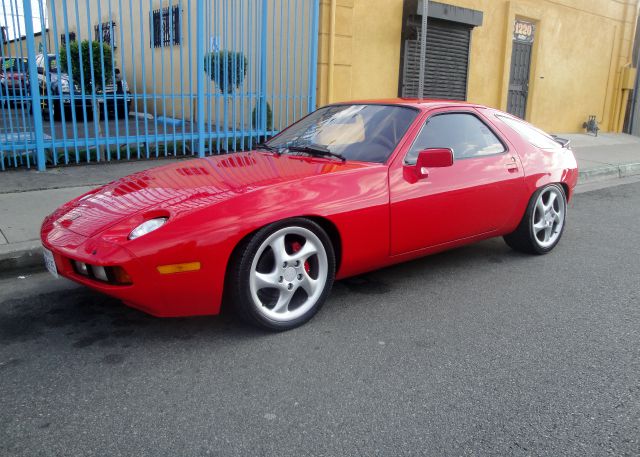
(350, 188)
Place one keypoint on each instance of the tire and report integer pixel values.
(543, 222)
(281, 276)
(53, 114)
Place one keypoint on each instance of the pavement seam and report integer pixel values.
(4, 237)
(77, 186)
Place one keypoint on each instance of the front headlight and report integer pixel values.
(147, 227)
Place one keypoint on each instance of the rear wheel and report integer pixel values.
(542, 224)
(282, 276)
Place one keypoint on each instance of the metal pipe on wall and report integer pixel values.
(620, 106)
(423, 48)
(332, 50)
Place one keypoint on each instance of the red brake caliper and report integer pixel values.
(295, 247)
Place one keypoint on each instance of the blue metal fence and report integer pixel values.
(87, 81)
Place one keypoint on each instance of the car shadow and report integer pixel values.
(82, 318)
(86, 318)
(492, 252)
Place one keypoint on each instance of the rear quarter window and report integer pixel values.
(531, 134)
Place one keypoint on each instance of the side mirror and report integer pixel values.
(432, 158)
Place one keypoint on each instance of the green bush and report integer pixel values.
(102, 63)
(254, 116)
(227, 69)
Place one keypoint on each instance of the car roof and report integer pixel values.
(421, 104)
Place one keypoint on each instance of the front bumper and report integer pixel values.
(119, 102)
(19, 93)
(179, 294)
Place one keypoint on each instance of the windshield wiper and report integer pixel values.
(266, 147)
(316, 150)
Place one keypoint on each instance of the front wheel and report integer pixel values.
(543, 222)
(282, 276)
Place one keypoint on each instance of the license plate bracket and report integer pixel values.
(50, 262)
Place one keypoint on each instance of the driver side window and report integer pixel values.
(465, 134)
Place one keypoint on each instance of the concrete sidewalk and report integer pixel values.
(27, 196)
(607, 156)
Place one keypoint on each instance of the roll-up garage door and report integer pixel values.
(447, 61)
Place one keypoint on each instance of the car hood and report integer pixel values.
(54, 77)
(189, 185)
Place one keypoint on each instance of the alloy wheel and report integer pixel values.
(288, 274)
(548, 216)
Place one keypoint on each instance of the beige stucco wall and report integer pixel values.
(18, 48)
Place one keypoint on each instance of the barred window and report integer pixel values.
(106, 31)
(63, 38)
(164, 27)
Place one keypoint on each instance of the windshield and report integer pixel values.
(14, 65)
(367, 133)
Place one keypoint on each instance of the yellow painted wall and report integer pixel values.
(580, 49)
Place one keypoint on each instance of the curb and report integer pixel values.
(22, 257)
(609, 172)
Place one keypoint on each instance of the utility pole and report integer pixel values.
(423, 48)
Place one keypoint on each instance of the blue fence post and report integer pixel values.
(33, 82)
(314, 55)
(200, 73)
(263, 71)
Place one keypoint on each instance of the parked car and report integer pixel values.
(58, 90)
(350, 188)
(117, 95)
(14, 80)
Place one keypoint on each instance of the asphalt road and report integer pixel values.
(478, 351)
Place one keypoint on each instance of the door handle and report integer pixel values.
(512, 165)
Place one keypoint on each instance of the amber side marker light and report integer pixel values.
(178, 268)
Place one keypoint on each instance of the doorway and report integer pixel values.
(520, 68)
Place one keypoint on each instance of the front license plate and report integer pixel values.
(49, 262)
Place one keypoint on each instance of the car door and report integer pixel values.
(476, 195)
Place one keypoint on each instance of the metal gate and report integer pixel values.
(447, 57)
(520, 68)
(100, 80)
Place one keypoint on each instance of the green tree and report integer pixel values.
(90, 77)
(102, 69)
